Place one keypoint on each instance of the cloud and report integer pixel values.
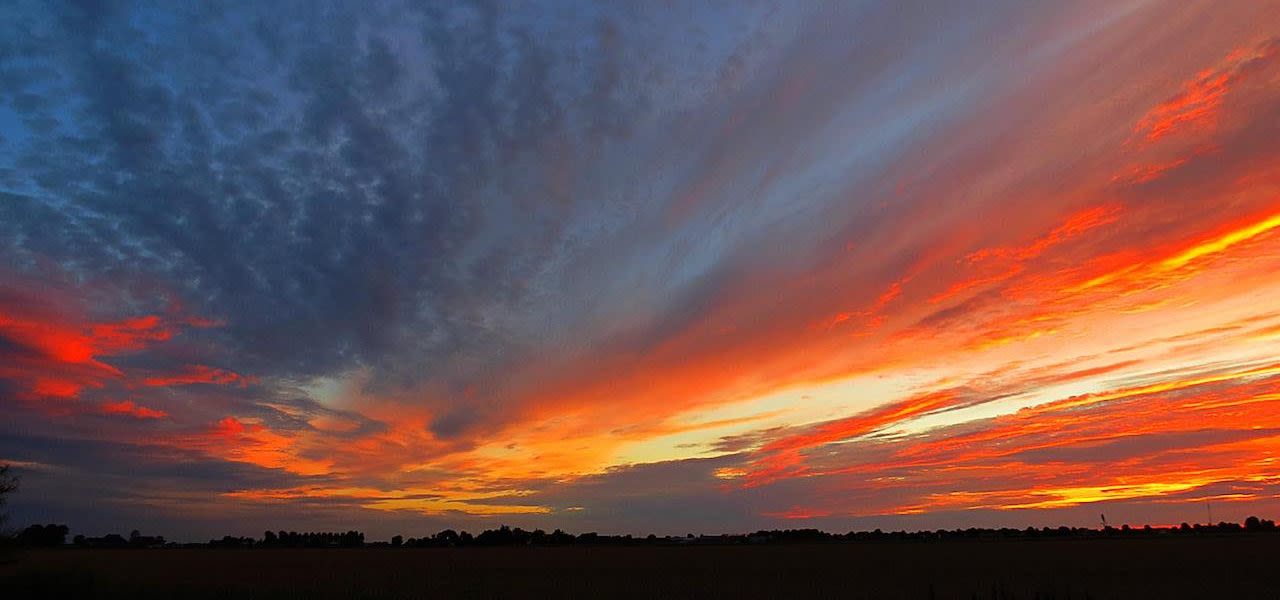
(1200, 101)
(128, 408)
(765, 265)
(1163, 440)
(56, 353)
(194, 374)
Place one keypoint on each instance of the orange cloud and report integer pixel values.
(1216, 245)
(428, 501)
(1128, 273)
(235, 440)
(1160, 441)
(782, 456)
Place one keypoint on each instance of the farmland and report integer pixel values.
(1239, 566)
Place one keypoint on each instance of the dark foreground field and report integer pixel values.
(1229, 567)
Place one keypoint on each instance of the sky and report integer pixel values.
(639, 267)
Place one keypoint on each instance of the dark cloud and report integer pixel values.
(681, 496)
(294, 177)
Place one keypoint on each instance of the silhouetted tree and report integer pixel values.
(8, 485)
(502, 536)
(43, 535)
(447, 537)
(397, 541)
(1256, 524)
(293, 539)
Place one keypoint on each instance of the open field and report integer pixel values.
(1210, 567)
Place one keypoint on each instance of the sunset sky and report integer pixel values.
(639, 267)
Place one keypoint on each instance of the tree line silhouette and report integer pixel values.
(55, 535)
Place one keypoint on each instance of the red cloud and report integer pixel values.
(1199, 103)
(50, 351)
(51, 356)
(1074, 226)
(195, 374)
(129, 409)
